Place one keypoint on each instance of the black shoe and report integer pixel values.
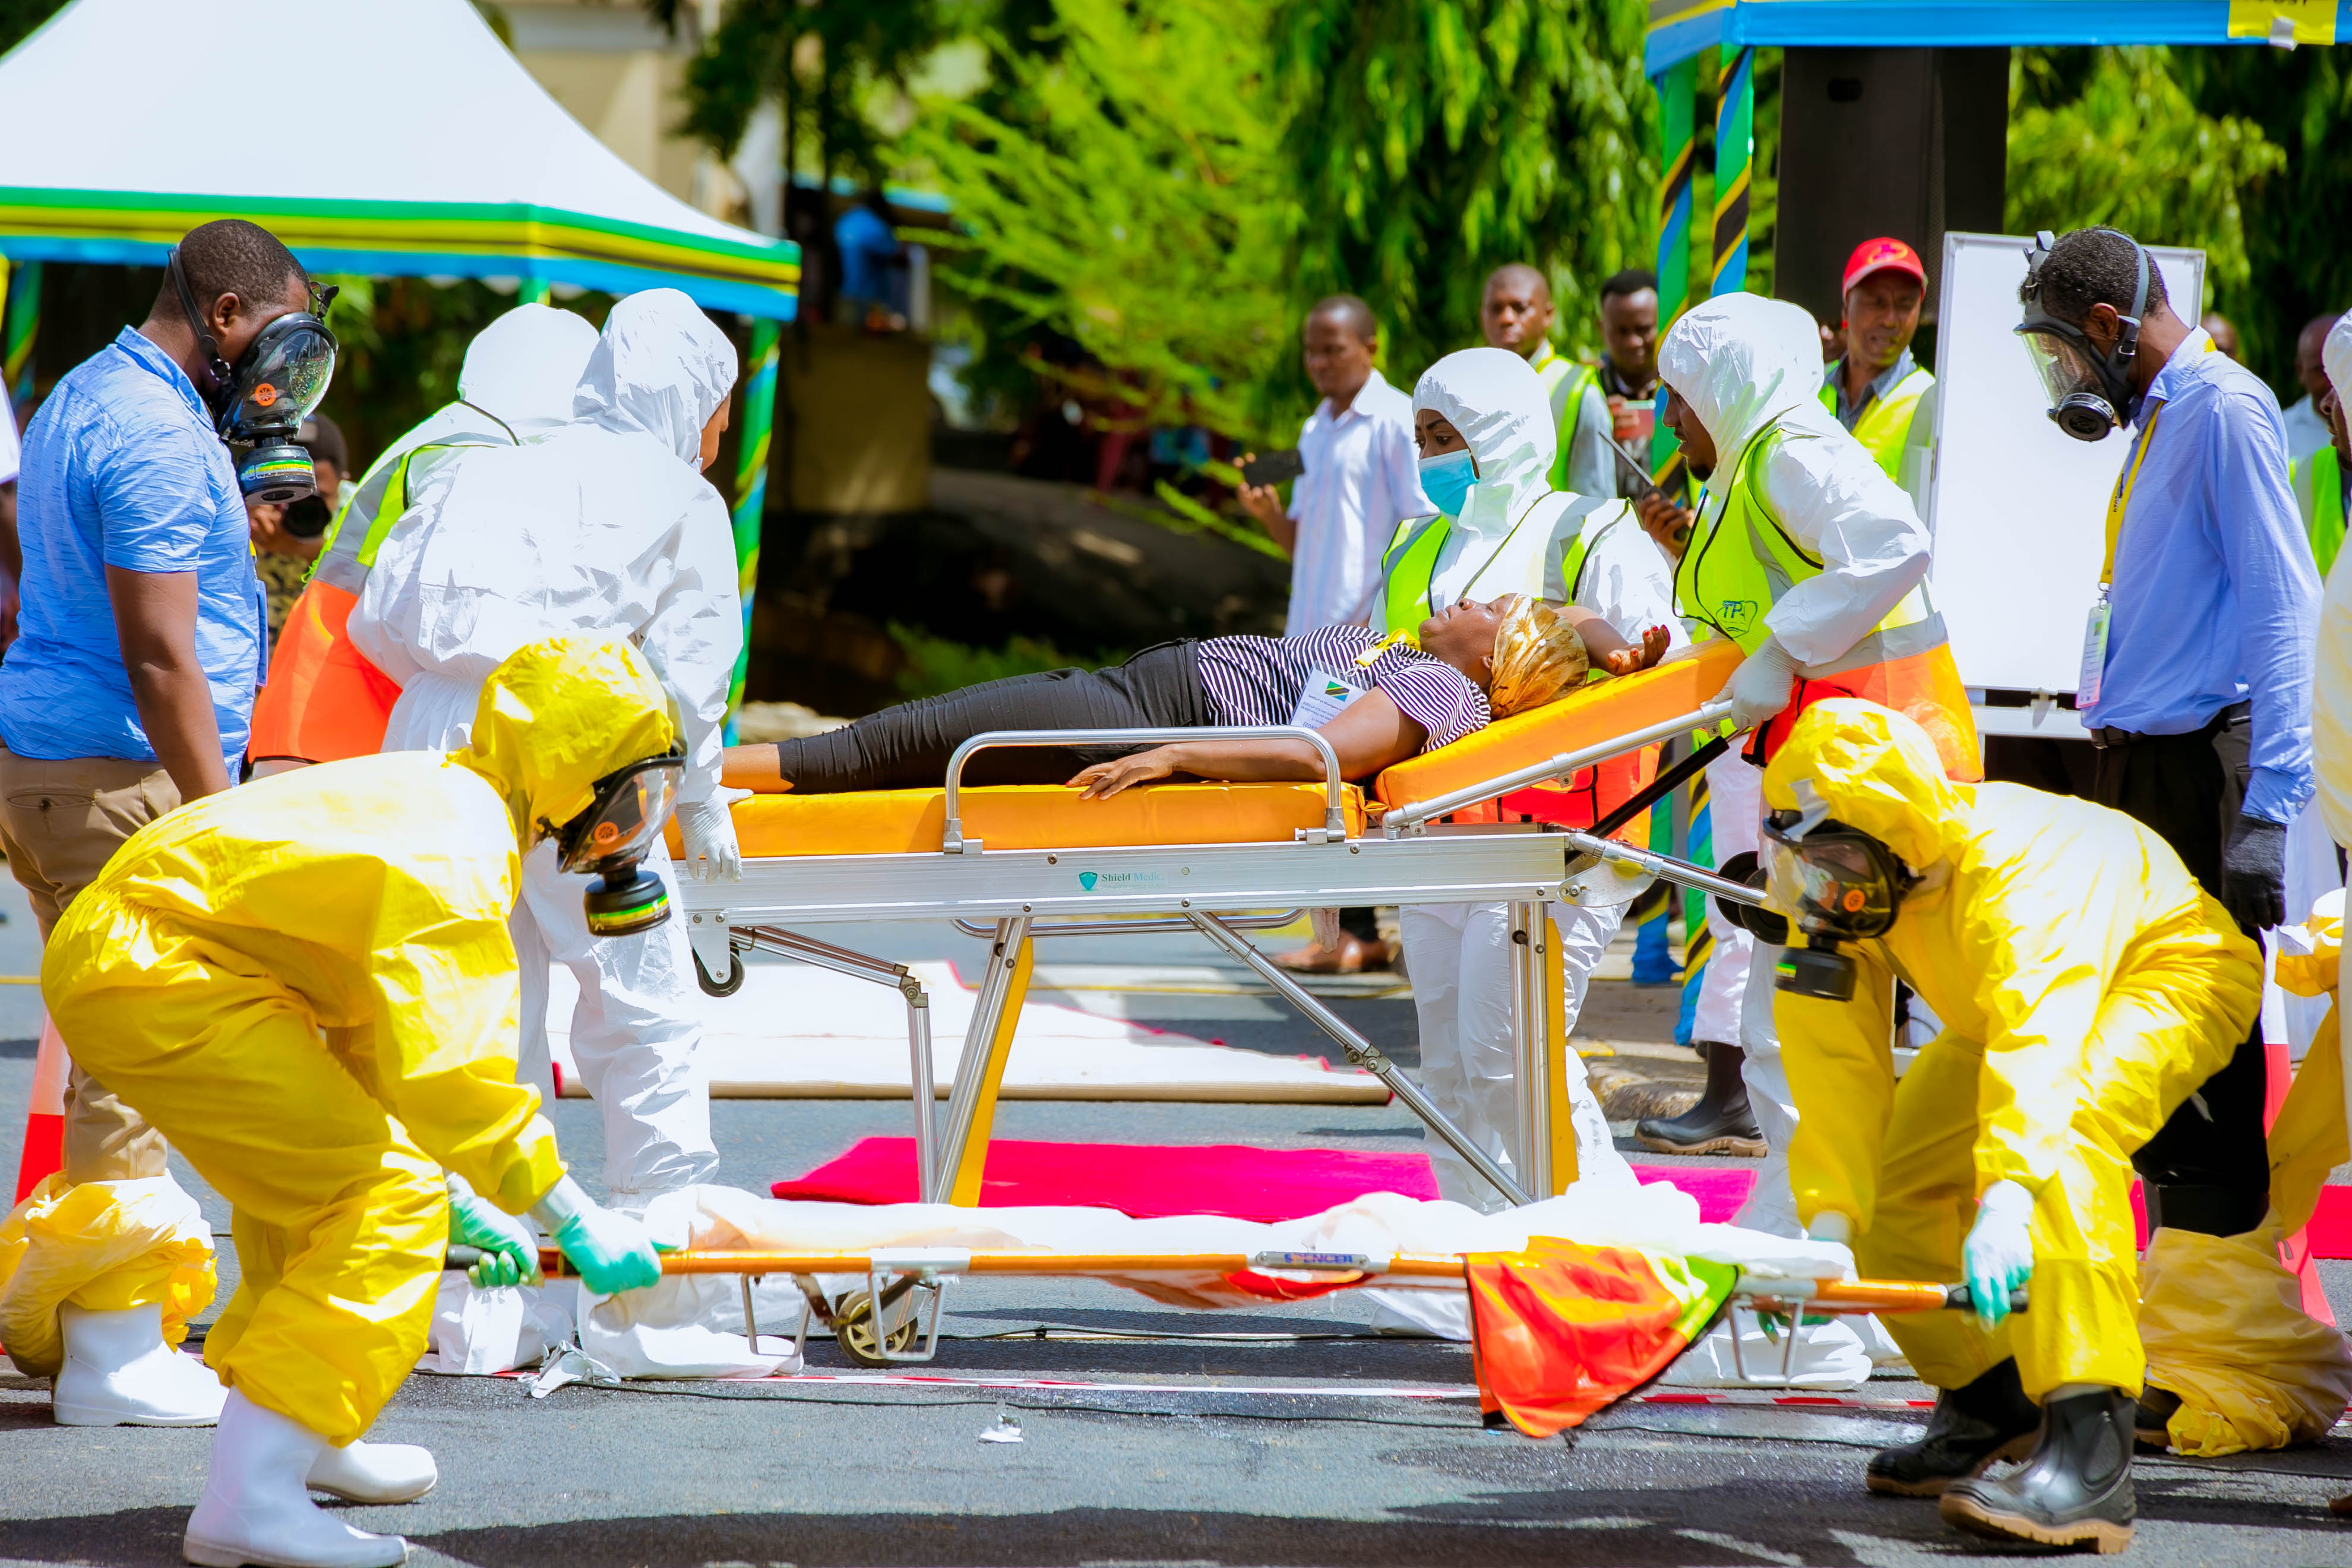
(2074, 1491)
(1720, 1123)
(2151, 1420)
(1973, 1426)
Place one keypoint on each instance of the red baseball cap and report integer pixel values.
(1881, 254)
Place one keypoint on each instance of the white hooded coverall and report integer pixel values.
(606, 523)
(1513, 537)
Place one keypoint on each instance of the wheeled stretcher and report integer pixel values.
(1016, 864)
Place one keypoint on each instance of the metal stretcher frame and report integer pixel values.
(896, 1318)
(1016, 897)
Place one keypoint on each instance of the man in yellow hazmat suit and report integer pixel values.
(307, 984)
(2087, 986)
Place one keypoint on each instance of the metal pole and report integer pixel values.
(973, 1071)
(751, 488)
(1530, 1037)
(918, 1050)
(1361, 1053)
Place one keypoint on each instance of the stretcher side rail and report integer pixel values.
(902, 1303)
(1335, 816)
(1561, 766)
(1135, 927)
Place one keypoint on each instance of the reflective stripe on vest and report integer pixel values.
(1742, 562)
(1885, 426)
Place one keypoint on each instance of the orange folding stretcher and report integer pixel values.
(1014, 864)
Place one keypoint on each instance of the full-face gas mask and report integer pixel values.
(261, 401)
(612, 838)
(2090, 393)
(1838, 883)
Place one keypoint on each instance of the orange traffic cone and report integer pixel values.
(44, 1117)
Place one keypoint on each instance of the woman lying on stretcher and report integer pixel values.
(1476, 662)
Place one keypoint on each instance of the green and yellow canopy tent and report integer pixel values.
(392, 138)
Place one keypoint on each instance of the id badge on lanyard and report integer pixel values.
(2095, 655)
(1325, 698)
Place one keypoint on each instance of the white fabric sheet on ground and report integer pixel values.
(690, 1325)
(797, 1032)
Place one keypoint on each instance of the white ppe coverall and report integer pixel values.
(603, 524)
(1745, 364)
(1515, 536)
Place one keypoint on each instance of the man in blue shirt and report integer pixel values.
(131, 684)
(2197, 674)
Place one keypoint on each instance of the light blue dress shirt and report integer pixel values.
(121, 468)
(2215, 597)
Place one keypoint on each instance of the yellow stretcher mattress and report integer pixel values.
(1031, 817)
(1589, 718)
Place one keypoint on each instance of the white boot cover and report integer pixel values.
(119, 1373)
(375, 1472)
(257, 1509)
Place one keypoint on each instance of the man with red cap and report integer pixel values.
(1875, 389)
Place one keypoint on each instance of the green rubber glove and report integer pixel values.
(612, 1252)
(1998, 1257)
(509, 1248)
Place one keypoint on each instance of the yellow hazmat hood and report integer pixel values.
(557, 716)
(1878, 773)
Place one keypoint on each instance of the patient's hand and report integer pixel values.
(1105, 780)
(1626, 660)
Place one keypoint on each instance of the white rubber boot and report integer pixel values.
(375, 1472)
(257, 1508)
(119, 1373)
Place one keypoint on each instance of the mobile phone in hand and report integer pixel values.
(1273, 467)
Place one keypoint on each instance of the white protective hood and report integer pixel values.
(1498, 404)
(1743, 362)
(523, 367)
(661, 367)
(2336, 355)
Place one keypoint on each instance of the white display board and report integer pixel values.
(2017, 505)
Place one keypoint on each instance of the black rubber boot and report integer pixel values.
(2074, 1491)
(2151, 1421)
(1973, 1426)
(1720, 1123)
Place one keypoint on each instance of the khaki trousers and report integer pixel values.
(60, 822)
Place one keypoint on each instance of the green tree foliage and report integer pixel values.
(2296, 220)
(19, 17)
(1117, 184)
(1429, 141)
(817, 60)
(2110, 136)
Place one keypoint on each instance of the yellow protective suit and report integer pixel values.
(307, 986)
(2086, 986)
(102, 1246)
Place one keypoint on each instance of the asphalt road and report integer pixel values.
(1224, 1442)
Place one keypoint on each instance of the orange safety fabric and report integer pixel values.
(1562, 1329)
(1031, 817)
(1589, 717)
(1923, 687)
(323, 702)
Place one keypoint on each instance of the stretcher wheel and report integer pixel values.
(853, 1330)
(727, 987)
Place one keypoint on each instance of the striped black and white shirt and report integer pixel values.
(1259, 680)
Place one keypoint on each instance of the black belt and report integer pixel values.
(2106, 739)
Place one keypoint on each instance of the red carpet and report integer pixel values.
(1153, 1181)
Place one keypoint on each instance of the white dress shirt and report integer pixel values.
(1362, 477)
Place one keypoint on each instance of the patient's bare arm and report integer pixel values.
(1368, 734)
(753, 767)
(1610, 648)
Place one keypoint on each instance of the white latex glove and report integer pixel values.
(1762, 685)
(1998, 1257)
(706, 831)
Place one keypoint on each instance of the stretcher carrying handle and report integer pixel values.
(1335, 816)
(1564, 765)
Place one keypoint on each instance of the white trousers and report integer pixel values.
(1735, 791)
(1459, 956)
(635, 1036)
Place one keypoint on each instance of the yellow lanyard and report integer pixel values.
(2120, 502)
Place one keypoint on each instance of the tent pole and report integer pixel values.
(1677, 89)
(22, 324)
(1735, 151)
(751, 485)
(535, 292)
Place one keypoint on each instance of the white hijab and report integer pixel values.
(661, 367)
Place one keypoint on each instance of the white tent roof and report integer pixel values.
(386, 136)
